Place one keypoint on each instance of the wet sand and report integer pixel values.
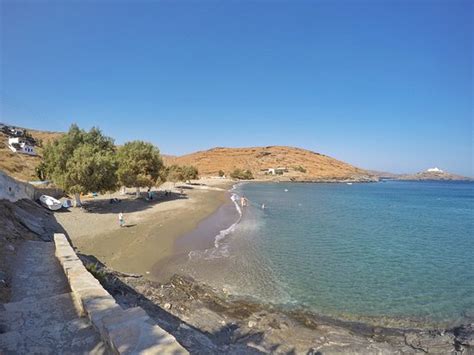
(151, 227)
(200, 238)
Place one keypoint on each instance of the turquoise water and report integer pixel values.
(386, 252)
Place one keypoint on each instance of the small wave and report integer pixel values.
(220, 249)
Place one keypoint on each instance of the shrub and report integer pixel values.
(241, 174)
(300, 168)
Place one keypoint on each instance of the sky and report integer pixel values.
(384, 85)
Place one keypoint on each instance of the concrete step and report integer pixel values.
(37, 313)
(37, 272)
(75, 336)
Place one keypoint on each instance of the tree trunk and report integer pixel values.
(77, 198)
(137, 192)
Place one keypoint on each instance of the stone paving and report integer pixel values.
(41, 317)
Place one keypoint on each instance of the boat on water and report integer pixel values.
(349, 183)
(50, 202)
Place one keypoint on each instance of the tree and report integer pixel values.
(174, 173)
(221, 173)
(139, 165)
(189, 173)
(241, 174)
(81, 162)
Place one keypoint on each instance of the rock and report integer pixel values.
(10, 247)
(167, 306)
(430, 342)
(465, 335)
(252, 324)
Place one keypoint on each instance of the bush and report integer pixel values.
(97, 272)
(221, 173)
(300, 168)
(241, 174)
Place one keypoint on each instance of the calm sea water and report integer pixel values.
(384, 252)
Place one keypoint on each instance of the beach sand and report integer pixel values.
(151, 227)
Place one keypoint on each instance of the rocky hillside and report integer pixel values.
(433, 175)
(22, 166)
(299, 164)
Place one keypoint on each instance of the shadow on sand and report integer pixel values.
(128, 204)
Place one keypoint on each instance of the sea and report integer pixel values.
(392, 253)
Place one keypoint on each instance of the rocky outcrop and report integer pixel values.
(210, 321)
(21, 220)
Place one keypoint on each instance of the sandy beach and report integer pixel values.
(151, 227)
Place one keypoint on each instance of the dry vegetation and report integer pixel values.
(22, 166)
(301, 164)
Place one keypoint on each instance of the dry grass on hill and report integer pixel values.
(302, 164)
(22, 166)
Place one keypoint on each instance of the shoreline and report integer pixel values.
(151, 227)
(210, 320)
(203, 238)
(184, 226)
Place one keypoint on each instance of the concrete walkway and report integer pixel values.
(41, 317)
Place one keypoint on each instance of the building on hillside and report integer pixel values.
(275, 171)
(19, 145)
(434, 170)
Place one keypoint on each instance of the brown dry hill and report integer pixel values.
(22, 166)
(302, 165)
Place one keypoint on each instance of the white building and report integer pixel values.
(18, 145)
(276, 171)
(434, 170)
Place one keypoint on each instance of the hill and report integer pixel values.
(22, 166)
(433, 174)
(299, 164)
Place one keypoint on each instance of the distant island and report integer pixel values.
(433, 174)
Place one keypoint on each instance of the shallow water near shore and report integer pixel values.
(397, 253)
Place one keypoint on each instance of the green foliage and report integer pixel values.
(221, 173)
(97, 272)
(81, 162)
(139, 164)
(300, 168)
(175, 173)
(190, 172)
(40, 171)
(241, 174)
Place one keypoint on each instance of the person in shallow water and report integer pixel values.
(121, 220)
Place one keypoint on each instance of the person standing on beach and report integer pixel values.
(121, 220)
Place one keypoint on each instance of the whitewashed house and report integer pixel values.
(19, 145)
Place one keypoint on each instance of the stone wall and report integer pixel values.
(14, 190)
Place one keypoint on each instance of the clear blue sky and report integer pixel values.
(384, 85)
